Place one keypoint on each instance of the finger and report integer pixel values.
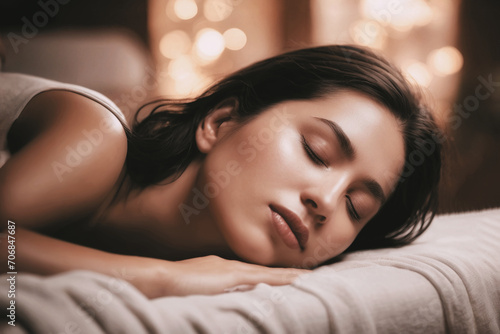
(240, 288)
(273, 276)
(292, 272)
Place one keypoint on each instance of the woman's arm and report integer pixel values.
(43, 255)
(35, 194)
(39, 254)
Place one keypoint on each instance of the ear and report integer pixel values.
(215, 125)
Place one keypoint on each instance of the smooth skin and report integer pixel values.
(32, 195)
(289, 156)
(320, 184)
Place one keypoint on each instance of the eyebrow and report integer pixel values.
(375, 189)
(348, 150)
(345, 143)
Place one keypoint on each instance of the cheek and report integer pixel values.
(336, 240)
(276, 161)
(265, 159)
(248, 172)
(344, 234)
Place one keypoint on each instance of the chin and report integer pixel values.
(289, 263)
(252, 245)
(259, 260)
(262, 256)
(267, 257)
(245, 234)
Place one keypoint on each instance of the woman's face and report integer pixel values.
(295, 185)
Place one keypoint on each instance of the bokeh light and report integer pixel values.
(186, 76)
(369, 33)
(400, 15)
(445, 61)
(235, 39)
(217, 10)
(185, 9)
(200, 41)
(419, 72)
(175, 44)
(209, 44)
(424, 14)
(181, 68)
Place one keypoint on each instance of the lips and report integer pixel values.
(295, 225)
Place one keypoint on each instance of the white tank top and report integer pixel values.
(16, 90)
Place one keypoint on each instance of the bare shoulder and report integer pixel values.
(68, 153)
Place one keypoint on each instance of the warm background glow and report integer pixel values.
(195, 42)
(418, 35)
(198, 41)
(135, 51)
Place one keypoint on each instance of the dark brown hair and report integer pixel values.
(163, 144)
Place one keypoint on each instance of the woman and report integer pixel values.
(285, 163)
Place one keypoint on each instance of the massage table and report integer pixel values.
(447, 281)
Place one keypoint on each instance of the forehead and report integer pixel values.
(374, 131)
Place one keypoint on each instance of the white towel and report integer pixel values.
(448, 281)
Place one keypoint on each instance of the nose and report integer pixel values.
(321, 200)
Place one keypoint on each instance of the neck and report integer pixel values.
(156, 214)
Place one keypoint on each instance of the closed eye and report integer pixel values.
(352, 210)
(312, 155)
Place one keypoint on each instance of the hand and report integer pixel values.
(212, 275)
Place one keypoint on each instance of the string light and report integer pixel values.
(445, 61)
(192, 47)
(187, 52)
(235, 39)
(209, 44)
(185, 9)
(419, 72)
(369, 33)
(181, 68)
(175, 44)
(186, 76)
(400, 15)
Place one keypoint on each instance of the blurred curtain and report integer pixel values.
(472, 177)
